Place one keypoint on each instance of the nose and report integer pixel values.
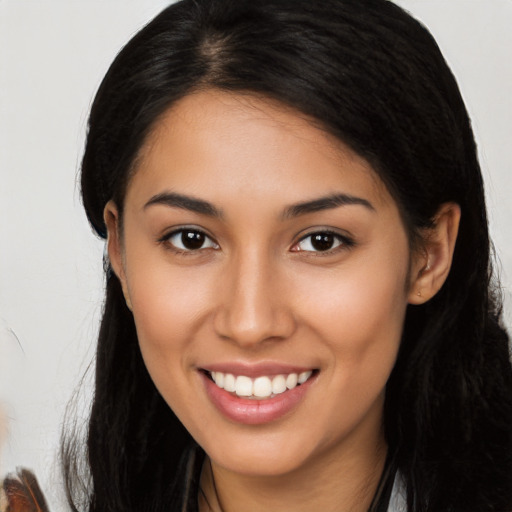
(253, 303)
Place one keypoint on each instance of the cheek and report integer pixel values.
(169, 309)
(169, 305)
(358, 320)
(360, 302)
(358, 313)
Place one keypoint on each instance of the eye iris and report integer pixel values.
(192, 239)
(322, 241)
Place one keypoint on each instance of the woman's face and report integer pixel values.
(261, 252)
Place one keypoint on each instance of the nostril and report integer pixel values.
(252, 326)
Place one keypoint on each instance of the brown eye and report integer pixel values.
(190, 240)
(323, 241)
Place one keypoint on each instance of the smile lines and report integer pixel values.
(260, 387)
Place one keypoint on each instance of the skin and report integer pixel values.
(258, 291)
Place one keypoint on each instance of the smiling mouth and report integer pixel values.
(259, 388)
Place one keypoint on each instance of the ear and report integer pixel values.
(115, 246)
(431, 265)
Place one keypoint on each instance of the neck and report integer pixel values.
(333, 482)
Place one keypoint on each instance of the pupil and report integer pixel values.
(192, 239)
(322, 241)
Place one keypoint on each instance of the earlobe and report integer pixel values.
(114, 246)
(432, 265)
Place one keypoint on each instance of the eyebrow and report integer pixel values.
(325, 203)
(185, 202)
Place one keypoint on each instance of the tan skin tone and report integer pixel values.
(257, 288)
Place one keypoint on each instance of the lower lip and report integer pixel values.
(255, 412)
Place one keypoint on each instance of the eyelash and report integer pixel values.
(343, 242)
(167, 240)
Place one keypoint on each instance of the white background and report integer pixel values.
(53, 55)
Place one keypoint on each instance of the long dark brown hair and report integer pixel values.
(374, 77)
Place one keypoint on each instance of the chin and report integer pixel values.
(267, 455)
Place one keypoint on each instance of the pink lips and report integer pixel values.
(255, 370)
(255, 412)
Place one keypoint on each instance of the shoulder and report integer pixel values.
(397, 502)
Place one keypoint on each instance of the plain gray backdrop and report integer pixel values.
(53, 55)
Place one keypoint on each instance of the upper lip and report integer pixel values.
(256, 369)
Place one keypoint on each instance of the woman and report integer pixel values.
(299, 313)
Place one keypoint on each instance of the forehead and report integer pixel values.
(242, 145)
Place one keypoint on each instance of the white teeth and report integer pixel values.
(229, 382)
(219, 379)
(304, 376)
(278, 384)
(260, 387)
(243, 386)
(291, 380)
